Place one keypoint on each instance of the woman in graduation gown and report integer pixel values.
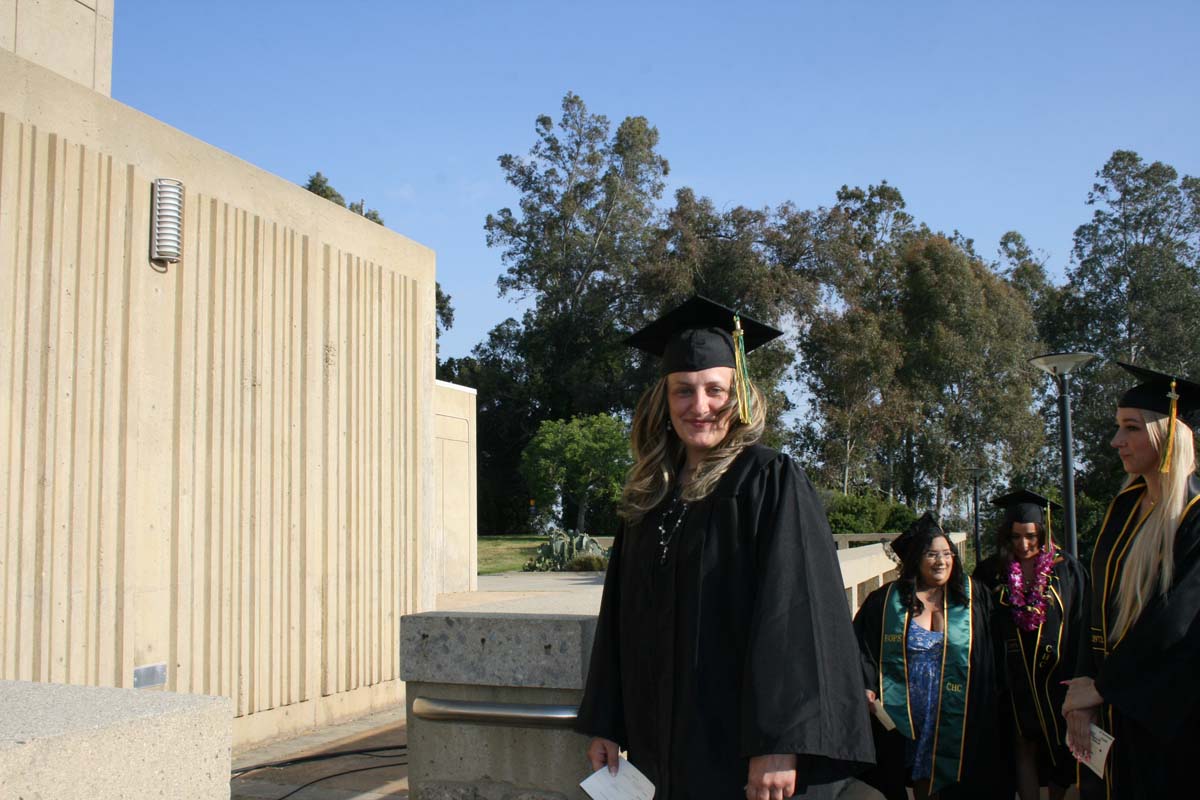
(1039, 619)
(723, 637)
(1140, 679)
(927, 660)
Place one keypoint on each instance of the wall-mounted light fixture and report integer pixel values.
(166, 220)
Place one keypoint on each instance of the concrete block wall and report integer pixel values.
(455, 502)
(538, 659)
(71, 37)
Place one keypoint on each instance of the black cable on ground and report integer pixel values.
(340, 774)
(365, 751)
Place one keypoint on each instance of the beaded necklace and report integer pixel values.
(667, 532)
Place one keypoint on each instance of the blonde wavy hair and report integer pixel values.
(658, 454)
(1150, 563)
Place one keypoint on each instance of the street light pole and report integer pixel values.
(1059, 366)
(1068, 462)
(976, 473)
(978, 552)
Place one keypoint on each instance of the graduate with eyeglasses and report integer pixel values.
(1039, 624)
(927, 658)
(721, 650)
(1140, 678)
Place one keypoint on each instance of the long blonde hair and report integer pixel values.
(1150, 564)
(658, 454)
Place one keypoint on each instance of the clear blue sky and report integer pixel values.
(988, 117)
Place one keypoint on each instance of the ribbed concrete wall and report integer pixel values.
(223, 465)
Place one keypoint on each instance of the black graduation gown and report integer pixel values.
(982, 769)
(737, 646)
(1033, 664)
(1150, 679)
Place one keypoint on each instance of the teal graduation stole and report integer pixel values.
(956, 681)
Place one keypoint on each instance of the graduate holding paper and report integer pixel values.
(1140, 678)
(721, 648)
(927, 660)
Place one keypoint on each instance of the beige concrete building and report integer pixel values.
(219, 475)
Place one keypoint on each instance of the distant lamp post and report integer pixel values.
(976, 473)
(1059, 366)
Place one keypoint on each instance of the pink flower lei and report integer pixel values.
(1029, 608)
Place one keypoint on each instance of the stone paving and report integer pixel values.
(354, 777)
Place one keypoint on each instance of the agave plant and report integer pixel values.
(560, 549)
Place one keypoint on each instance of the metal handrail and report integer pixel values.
(480, 712)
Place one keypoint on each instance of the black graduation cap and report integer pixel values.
(1154, 391)
(701, 334)
(927, 524)
(1176, 397)
(1025, 506)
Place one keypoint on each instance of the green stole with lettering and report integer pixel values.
(948, 738)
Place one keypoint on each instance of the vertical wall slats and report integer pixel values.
(81, 413)
(287, 528)
(10, 166)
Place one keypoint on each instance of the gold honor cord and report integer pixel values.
(741, 378)
(1165, 464)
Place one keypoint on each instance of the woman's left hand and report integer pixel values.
(1081, 694)
(771, 777)
(1079, 731)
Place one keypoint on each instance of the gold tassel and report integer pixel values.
(741, 378)
(1165, 465)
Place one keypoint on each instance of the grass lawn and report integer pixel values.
(506, 553)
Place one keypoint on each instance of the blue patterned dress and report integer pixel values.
(924, 670)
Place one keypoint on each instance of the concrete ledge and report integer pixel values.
(488, 649)
(100, 743)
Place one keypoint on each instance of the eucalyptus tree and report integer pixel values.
(1131, 295)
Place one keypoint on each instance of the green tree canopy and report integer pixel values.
(916, 361)
(912, 348)
(1131, 295)
(573, 462)
(318, 184)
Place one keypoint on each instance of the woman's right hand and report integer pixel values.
(603, 752)
(871, 698)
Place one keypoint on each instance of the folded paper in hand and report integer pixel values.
(628, 784)
(1101, 741)
(884, 718)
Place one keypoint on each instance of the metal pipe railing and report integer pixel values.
(480, 712)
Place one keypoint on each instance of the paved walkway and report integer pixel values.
(366, 776)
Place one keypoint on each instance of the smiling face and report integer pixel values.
(1132, 441)
(937, 562)
(1023, 539)
(701, 409)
